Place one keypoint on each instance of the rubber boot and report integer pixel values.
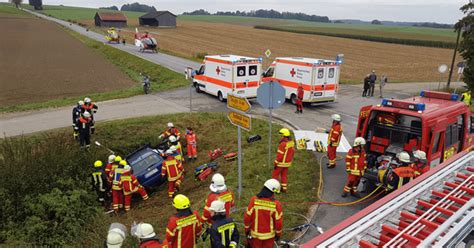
(344, 194)
(356, 195)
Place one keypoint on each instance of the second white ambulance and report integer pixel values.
(220, 75)
(319, 78)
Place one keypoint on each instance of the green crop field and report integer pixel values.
(78, 13)
(399, 32)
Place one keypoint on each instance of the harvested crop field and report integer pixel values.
(39, 61)
(400, 62)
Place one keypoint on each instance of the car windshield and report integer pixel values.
(143, 159)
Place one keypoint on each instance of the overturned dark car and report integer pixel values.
(146, 165)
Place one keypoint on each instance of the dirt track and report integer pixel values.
(40, 61)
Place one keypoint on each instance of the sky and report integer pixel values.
(441, 11)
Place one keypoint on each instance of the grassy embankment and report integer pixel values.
(45, 180)
(161, 78)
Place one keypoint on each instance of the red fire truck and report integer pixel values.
(434, 122)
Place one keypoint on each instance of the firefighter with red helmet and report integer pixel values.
(130, 185)
(263, 218)
(299, 99)
(334, 137)
(92, 108)
(172, 130)
(220, 192)
(191, 143)
(117, 190)
(184, 227)
(284, 158)
(356, 163)
(173, 170)
(420, 165)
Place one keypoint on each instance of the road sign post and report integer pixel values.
(239, 106)
(271, 96)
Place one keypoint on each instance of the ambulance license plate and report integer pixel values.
(318, 94)
(151, 173)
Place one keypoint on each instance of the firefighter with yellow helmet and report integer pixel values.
(284, 158)
(185, 226)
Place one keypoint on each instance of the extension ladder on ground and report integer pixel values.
(436, 209)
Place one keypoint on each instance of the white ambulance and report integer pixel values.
(220, 75)
(319, 78)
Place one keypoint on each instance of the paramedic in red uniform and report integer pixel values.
(263, 218)
(184, 227)
(191, 143)
(130, 186)
(220, 192)
(299, 99)
(173, 169)
(334, 137)
(284, 158)
(356, 164)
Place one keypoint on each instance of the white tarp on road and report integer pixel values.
(344, 145)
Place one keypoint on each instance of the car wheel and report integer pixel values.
(220, 96)
(293, 99)
(198, 89)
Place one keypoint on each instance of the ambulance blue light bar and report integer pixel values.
(439, 95)
(403, 105)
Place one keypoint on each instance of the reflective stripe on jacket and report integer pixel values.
(356, 162)
(335, 134)
(182, 232)
(285, 153)
(173, 168)
(263, 218)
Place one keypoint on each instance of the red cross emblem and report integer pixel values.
(292, 72)
(218, 70)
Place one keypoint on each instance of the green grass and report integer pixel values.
(161, 78)
(124, 136)
(8, 8)
(400, 32)
(79, 13)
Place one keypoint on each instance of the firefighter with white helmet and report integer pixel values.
(83, 128)
(109, 166)
(147, 236)
(185, 226)
(76, 113)
(420, 164)
(284, 158)
(171, 130)
(173, 141)
(220, 192)
(334, 137)
(92, 108)
(173, 169)
(263, 218)
(402, 173)
(115, 238)
(356, 163)
(223, 231)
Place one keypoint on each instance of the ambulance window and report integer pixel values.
(320, 73)
(240, 71)
(269, 72)
(436, 143)
(252, 70)
(331, 73)
(201, 70)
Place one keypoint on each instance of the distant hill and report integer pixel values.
(265, 14)
(394, 23)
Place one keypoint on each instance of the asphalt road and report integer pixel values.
(175, 101)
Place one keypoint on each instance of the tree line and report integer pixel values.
(265, 14)
(135, 7)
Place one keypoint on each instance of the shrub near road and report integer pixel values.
(49, 201)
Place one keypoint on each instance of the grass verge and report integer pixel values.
(57, 147)
(161, 77)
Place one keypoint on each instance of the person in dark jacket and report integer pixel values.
(366, 86)
(372, 79)
(223, 232)
(100, 184)
(76, 113)
(83, 127)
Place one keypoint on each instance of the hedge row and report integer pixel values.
(424, 43)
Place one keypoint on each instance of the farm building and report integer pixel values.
(110, 19)
(158, 19)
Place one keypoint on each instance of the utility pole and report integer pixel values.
(454, 58)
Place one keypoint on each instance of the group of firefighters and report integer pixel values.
(83, 121)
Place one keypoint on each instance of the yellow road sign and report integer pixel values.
(238, 103)
(241, 120)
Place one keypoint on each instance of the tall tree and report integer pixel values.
(466, 46)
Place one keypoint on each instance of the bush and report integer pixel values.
(45, 198)
(201, 55)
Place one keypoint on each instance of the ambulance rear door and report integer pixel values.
(246, 78)
(330, 84)
(319, 82)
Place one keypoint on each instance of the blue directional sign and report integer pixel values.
(271, 95)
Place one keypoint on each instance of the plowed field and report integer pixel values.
(39, 61)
